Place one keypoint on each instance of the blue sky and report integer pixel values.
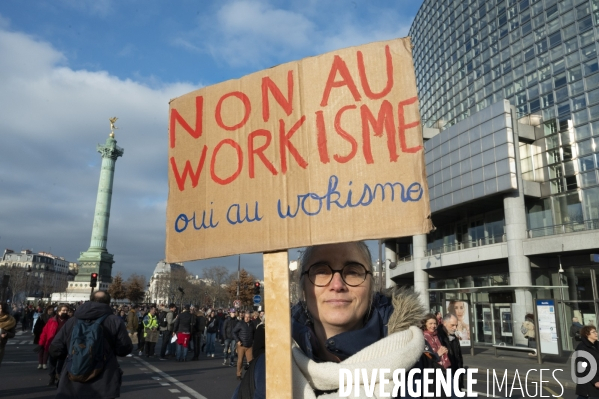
(66, 66)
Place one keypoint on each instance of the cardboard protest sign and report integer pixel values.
(326, 149)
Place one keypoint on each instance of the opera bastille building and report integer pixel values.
(509, 100)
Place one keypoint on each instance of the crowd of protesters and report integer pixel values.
(185, 333)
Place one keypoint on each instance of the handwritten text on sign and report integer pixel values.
(306, 152)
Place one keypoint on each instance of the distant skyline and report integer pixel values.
(67, 66)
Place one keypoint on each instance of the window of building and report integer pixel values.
(591, 203)
(590, 67)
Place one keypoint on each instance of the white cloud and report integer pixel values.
(53, 117)
(257, 34)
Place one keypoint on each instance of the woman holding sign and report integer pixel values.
(341, 324)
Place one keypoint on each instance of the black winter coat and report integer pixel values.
(259, 345)
(228, 326)
(212, 322)
(587, 389)
(184, 322)
(117, 343)
(244, 333)
(200, 325)
(454, 351)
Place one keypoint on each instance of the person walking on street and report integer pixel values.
(182, 329)
(429, 328)
(229, 350)
(259, 345)
(256, 319)
(141, 330)
(197, 335)
(151, 333)
(588, 344)
(42, 355)
(116, 342)
(52, 328)
(8, 326)
(243, 333)
(132, 323)
(446, 333)
(211, 330)
(167, 331)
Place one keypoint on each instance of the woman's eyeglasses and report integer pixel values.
(352, 274)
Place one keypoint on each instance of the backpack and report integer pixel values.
(86, 350)
(162, 319)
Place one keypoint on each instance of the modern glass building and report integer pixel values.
(509, 94)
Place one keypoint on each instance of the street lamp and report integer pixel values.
(27, 282)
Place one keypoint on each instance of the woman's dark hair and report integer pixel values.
(5, 308)
(586, 330)
(427, 317)
(530, 317)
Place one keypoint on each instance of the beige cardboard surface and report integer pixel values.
(325, 149)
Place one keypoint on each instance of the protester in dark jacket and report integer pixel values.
(8, 326)
(259, 344)
(51, 329)
(182, 329)
(198, 334)
(211, 331)
(229, 350)
(385, 336)
(244, 335)
(446, 334)
(588, 344)
(116, 343)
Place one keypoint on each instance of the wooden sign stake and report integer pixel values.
(278, 325)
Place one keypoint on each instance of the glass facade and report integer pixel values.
(542, 56)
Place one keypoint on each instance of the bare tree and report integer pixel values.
(18, 283)
(216, 279)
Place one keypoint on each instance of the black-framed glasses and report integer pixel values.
(352, 274)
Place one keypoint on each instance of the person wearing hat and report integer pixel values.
(230, 345)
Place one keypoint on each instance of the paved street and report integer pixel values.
(207, 378)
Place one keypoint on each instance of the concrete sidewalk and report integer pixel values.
(553, 368)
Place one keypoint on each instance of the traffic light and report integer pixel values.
(257, 288)
(94, 280)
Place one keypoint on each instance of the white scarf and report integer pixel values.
(400, 350)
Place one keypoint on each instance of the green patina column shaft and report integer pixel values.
(110, 152)
(97, 258)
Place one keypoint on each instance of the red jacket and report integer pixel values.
(49, 331)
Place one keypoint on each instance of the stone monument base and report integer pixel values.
(76, 292)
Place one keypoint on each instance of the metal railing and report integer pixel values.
(465, 245)
(591, 224)
(405, 259)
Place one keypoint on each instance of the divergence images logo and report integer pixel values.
(580, 366)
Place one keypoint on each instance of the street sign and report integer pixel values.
(237, 303)
(595, 258)
(257, 299)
